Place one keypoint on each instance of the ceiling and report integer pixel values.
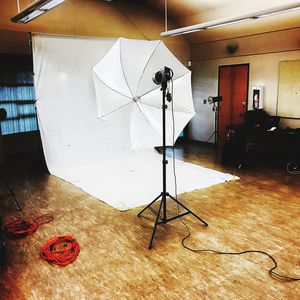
(190, 12)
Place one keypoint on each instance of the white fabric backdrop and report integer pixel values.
(88, 152)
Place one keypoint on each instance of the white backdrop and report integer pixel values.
(88, 152)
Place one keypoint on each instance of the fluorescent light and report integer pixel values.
(278, 12)
(51, 4)
(35, 10)
(31, 16)
(232, 20)
(229, 23)
(186, 32)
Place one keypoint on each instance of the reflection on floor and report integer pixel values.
(259, 211)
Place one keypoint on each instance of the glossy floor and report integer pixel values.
(260, 211)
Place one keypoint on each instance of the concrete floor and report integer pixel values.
(260, 211)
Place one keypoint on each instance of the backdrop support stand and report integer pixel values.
(161, 213)
(11, 192)
(3, 115)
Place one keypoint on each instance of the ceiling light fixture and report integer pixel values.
(232, 20)
(229, 23)
(34, 10)
(188, 31)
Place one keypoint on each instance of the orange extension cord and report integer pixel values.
(60, 250)
(22, 228)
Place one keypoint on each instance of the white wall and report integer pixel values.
(263, 71)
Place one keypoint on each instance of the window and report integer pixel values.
(17, 95)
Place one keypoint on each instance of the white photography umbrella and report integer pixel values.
(123, 79)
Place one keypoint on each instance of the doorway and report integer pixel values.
(233, 87)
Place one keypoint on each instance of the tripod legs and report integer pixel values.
(217, 138)
(155, 224)
(11, 192)
(216, 131)
(211, 136)
(161, 217)
(188, 211)
(149, 205)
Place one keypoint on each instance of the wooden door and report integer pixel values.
(233, 87)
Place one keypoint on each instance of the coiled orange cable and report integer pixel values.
(61, 250)
(22, 228)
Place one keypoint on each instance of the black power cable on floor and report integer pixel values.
(272, 273)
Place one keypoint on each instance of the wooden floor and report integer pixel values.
(260, 211)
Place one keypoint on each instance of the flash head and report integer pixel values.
(214, 99)
(162, 76)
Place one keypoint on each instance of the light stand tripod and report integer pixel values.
(2, 161)
(10, 190)
(215, 109)
(161, 214)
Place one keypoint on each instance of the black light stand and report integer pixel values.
(11, 192)
(2, 160)
(162, 77)
(215, 101)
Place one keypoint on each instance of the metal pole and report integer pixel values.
(161, 214)
(164, 153)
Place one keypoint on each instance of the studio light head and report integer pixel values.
(162, 76)
(214, 99)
